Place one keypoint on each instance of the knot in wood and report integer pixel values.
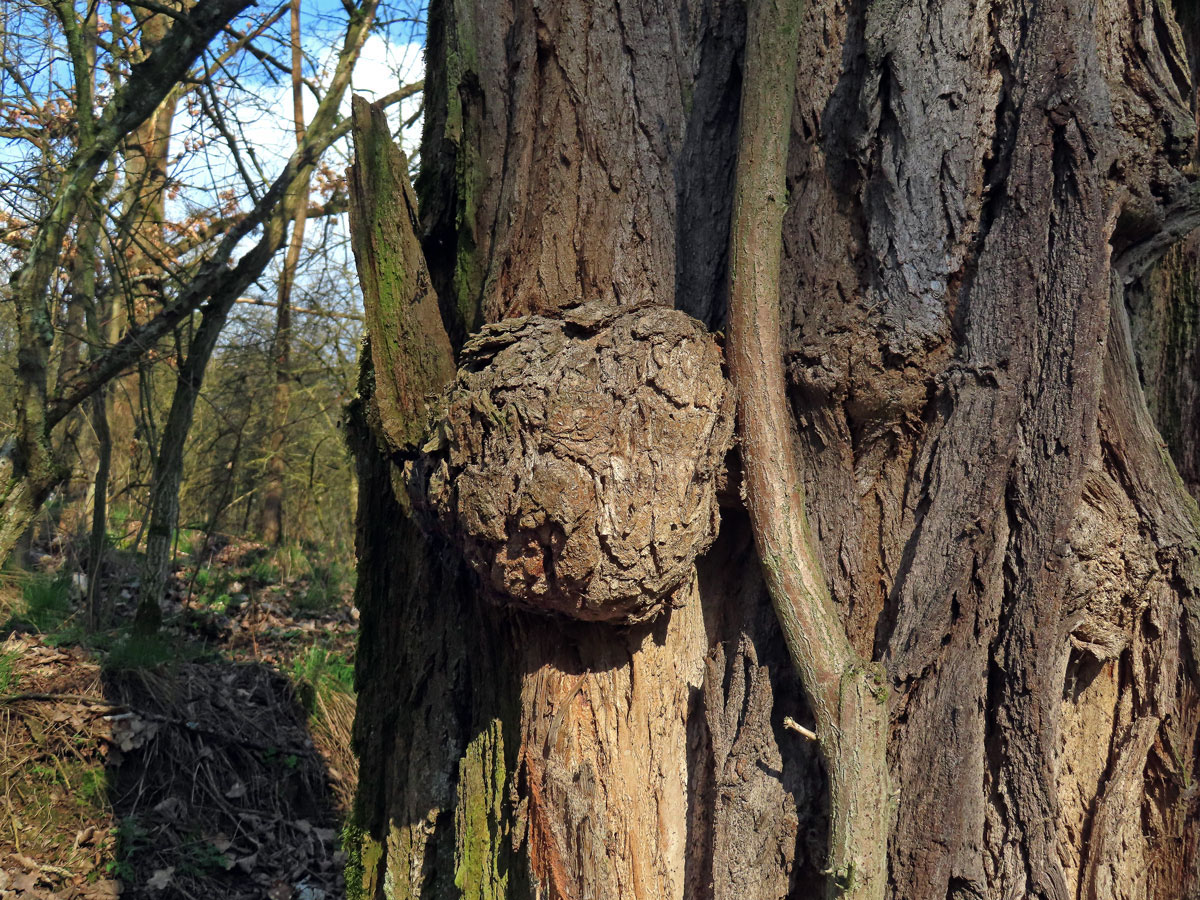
(575, 459)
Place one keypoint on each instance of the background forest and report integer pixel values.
(179, 333)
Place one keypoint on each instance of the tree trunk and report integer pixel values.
(168, 467)
(97, 606)
(35, 469)
(271, 522)
(976, 194)
(141, 261)
(168, 463)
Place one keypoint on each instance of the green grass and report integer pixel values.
(324, 668)
(45, 603)
(326, 588)
(9, 678)
(290, 561)
(75, 634)
(148, 651)
(117, 532)
(353, 838)
(203, 578)
(198, 857)
(132, 839)
(319, 671)
(93, 788)
(264, 572)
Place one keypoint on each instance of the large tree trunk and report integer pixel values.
(977, 193)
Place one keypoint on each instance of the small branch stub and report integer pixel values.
(789, 722)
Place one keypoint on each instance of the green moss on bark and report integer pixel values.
(481, 865)
(451, 178)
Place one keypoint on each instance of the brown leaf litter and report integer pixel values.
(188, 780)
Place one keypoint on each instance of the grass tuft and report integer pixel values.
(46, 601)
(9, 677)
(147, 651)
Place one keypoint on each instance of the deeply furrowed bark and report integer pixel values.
(975, 190)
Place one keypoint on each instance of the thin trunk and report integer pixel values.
(98, 328)
(168, 469)
(140, 254)
(80, 332)
(34, 463)
(96, 605)
(168, 464)
(271, 524)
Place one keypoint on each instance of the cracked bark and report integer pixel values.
(977, 195)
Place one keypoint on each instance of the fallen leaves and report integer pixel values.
(130, 732)
(188, 779)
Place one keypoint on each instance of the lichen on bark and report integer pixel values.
(575, 459)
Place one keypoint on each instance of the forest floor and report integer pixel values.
(209, 761)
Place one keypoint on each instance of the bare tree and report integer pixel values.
(35, 470)
(271, 526)
(160, 273)
(320, 133)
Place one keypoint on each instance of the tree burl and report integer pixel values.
(575, 460)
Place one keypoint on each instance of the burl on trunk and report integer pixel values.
(973, 309)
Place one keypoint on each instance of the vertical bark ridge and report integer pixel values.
(1164, 309)
(603, 731)
(568, 116)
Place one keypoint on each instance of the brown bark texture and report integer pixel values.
(991, 370)
(550, 442)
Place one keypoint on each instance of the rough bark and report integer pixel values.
(974, 191)
(1164, 310)
(552, 438)
(411, 355)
